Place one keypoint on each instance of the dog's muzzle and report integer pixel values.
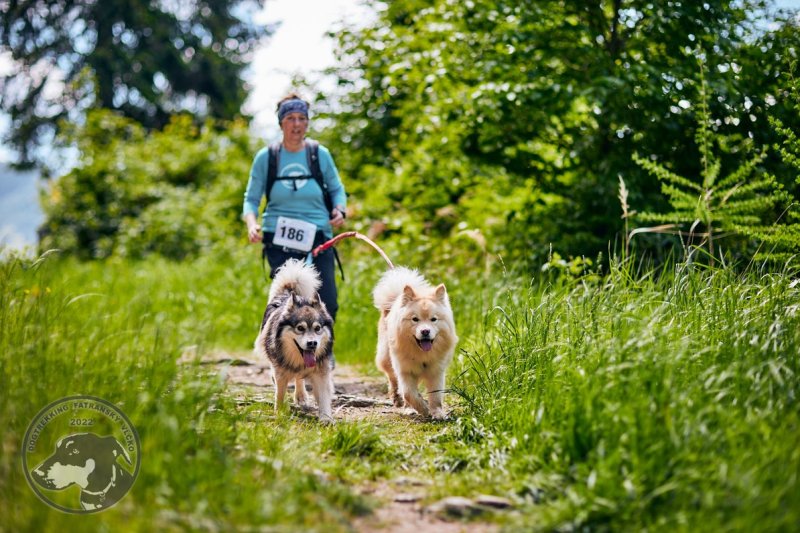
(425, 343)
(309, 353)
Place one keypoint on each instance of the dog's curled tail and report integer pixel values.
(392, 283)
(295, 276)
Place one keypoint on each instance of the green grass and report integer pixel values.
(640, 403)
(115, 330)
(627, 402)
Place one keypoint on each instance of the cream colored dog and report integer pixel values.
(416, 338)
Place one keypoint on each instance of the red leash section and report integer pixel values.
(325, 245)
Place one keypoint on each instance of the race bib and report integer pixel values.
(295, 234)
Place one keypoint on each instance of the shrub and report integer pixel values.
(174, 192)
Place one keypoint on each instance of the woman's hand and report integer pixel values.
(253, 228)
(254, 233)
(337, 216)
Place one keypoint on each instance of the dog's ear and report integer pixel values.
(441, 293)
(117, 449)
(408, 294)
(290, 301)
(316, 302)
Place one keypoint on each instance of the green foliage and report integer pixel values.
(146, 60)
(174, 192)
(709, 206)
(643, 402)
(632, 401)
(525, 139)
(783, 240)
(116, 330)
(577, 268)
(354, 440)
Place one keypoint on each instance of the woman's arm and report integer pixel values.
(253, 194)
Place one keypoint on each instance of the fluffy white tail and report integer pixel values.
(392, 284)
(295, 276)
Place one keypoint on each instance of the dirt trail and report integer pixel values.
(357, 397)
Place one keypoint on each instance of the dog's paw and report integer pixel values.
(397, 401)
(326, 420)
(301, 400)
(421, 410)
(417, 402)
(439, 414)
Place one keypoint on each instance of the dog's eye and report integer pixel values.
(301, 329)
(434, 319)
(317, 328)
(415, 319)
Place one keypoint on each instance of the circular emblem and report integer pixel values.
(81, 454)
(292, 170)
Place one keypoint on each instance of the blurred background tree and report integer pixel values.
(474, 129)
(175, 192)
(146, 60)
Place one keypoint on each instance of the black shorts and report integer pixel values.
(324, 262)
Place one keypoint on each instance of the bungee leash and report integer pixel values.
(347, 234)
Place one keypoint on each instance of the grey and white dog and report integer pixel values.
(297, 336)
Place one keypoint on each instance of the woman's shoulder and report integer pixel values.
(262, 154)
(323, 150)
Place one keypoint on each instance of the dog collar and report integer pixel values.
(105, 490)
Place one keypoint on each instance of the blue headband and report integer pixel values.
(292, 106)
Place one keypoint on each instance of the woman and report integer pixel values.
(296, 218)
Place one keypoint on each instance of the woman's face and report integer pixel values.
(294, 126)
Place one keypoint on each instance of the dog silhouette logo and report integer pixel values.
(100, 464)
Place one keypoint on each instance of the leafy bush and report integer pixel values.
(525, 140)
(783, 240)
(174, 192)
(710, 207)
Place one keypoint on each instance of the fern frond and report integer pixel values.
(789, 149)
(735, 204)
(703, 118)
(743, 171)
(739, 191)
(711, 175)
(687, 206)
(777, 258)
(735, 221)
(786, 236)
(677, 195)
(751, 205)
(789, 135)
(663, 174)
(673, 217)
